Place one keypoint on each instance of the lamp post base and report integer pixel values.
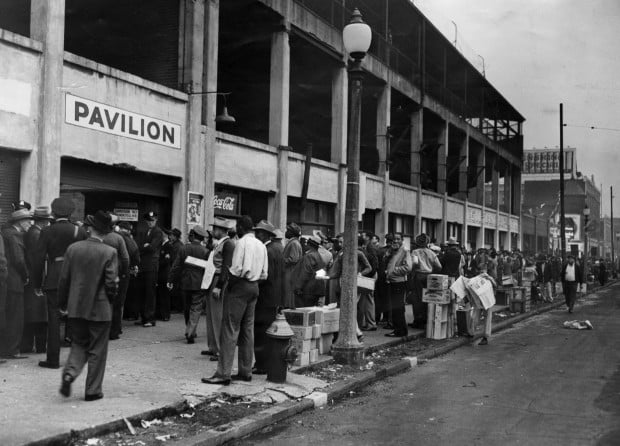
(348, 355)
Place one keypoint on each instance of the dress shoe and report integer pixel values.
(483, 341)
(214, 358)
(369, 329)
(148, 324)
(389, 326)
(208, 353)
(114, 337)
(216, 380)
(48, 365)
(65, 387)
(94, 397)
(257, 371)
(238, 377)
(190, 339)
(392, 335)
(16, 356)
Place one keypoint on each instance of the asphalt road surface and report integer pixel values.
(535, 384)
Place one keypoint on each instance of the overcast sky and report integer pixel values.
(539, 53)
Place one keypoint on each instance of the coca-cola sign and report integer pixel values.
(225, 203)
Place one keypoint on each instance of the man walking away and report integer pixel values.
(223, 248)
(425, 262)
(51, 248)
(149, 243)
(87, 287)
(572, 278)
(249, 265)
(269, 294)
(17, 278)
(35, 307)
(189, 275)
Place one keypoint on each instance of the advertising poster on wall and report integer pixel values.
(572, 223)
(194, 208)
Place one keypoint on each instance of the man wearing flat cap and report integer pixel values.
(189, 275)
(269, 294)
(86, 289)
(51, 247)
(35, 306)
(17, 278)
(149, 242)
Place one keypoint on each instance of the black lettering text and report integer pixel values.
(96, 117)
(153, 130)
(168, 134)
(81, 110)
(111, 121)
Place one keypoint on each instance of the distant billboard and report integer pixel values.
(547, 161)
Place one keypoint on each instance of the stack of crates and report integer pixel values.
(503, 296)
(313, 329)
(440, 318)
(517, 302)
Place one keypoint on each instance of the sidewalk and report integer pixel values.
(149, 369)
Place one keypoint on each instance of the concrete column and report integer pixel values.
(209, 102)
(197, 136)
(463, 166)
(465, 226)
(442, 158)
(47, 25)
(340, 99)
(417, 135)
(443, 230)
(508, 188)
(279, 98)
(384, 106)
(516, 184)
(495, 187)
(481, 172)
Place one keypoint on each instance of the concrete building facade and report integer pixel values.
(115, 104)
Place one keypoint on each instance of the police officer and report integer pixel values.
(149, 243)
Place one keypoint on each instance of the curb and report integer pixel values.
(279, 412)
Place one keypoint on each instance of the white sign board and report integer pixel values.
(115, 121)
(126, 214)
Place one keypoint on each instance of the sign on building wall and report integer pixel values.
(115, 121)
(547, 161)
(125, 214)
(194, 209)
(572, 227)
(226, 203)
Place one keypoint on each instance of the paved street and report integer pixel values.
(535, 384)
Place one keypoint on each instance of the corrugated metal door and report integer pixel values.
(10, 168)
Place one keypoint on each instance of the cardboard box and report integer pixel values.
(302, 333)
(303, 359)
(325, 343)
(331, 321)
(437, 282)
(318, 315)
(316, 331)
(302, 345)
(481, 291)
(366, 283)
(314, 355)
(529, 275)
(302, 317)
(507, 280)
(436, 296)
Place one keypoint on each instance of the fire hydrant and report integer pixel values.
(280, 352)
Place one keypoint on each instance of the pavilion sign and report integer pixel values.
(105, 118)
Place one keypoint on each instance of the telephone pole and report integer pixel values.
(613, 234)
(562, 224)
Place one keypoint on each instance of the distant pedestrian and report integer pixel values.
(34, 337)
(18, 278)
(249, 266)
(293, 252)
(149, 242)
(87, 287)
(51, 248)
(602, 272)
(189, 274)
(572, 278)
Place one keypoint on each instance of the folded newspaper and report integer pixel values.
(579, 325)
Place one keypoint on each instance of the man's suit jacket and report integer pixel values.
(132, 250)
(304, 281)
(149, 255)
(578, 273)
(16, 259)
(88, 280)
(51, 247)
(116, 241)
(165, 261)
(190, 276)
(270, 290)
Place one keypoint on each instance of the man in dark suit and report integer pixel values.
(269, 294)
(185, 271)
(51, 247)
(18, 277)
(35, 306)
(149, 243)
(572, 278)
(176, 296)
(308, 290)
(163, 293)
(129, 286)
(87, 287)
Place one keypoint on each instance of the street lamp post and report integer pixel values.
(356, 37)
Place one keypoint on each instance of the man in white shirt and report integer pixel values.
(571, 279)
(249, 265)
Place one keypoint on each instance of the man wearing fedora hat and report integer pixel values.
(221, 256)
(269, 294)
(87, 287)
(452, 261)
(49, 257)
(35, 306)
(189, 275)
(149, 243)
(17, 278)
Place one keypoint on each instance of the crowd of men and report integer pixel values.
(95, 273)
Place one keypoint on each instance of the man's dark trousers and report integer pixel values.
(117, 309)
(263, 317)
(13, 330)
(570, 293)
(89, 345)
(148, 282)
(396, 292)
(53, 327)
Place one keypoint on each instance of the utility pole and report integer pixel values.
(613, 234)
(562, 223)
